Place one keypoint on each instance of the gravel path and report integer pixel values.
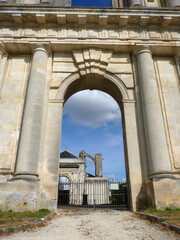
(95, 225)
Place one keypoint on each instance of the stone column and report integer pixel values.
(134, 3)
(156, 141)
(29, 145)
(173, 3)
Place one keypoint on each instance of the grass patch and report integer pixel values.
(167, 215)
(169, 212)
(11, 230)
(38, 214)
(174, 221)
(10, 220)
(4, 221)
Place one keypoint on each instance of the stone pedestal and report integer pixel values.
(29, 146)
(156, 141)
(166, 192)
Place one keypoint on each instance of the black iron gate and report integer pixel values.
(94, 193)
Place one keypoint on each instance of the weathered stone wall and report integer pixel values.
(13, 90)
(169, 92)
(46, 56)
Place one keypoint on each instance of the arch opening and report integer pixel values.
(108, 84)
(105, 85)
(64, 187)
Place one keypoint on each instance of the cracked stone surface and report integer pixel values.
(95, 225)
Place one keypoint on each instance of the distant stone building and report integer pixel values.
(72, 167)
(81, 184)
(49, 51)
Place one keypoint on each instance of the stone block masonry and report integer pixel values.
(49, 52)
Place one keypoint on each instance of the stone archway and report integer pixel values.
(35, 177)
(115, 87)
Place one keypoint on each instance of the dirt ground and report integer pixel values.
(95, 225)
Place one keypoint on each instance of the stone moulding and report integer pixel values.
(61, 16)
(67, 82)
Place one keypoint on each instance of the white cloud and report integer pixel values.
(92, 108)
(114, 141)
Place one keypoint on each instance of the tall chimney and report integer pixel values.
(98, 164)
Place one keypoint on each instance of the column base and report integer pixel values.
(166, 192)
(165, 174)
(26, 177)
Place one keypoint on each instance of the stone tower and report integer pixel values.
(49, 51)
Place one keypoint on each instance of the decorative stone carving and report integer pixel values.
(92, 60)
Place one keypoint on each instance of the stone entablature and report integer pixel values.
(115, 3)
(61, 3)
(79, 17)
(118, 29)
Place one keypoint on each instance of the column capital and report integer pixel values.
(44, 47)
(142, 49)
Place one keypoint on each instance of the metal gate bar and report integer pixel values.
(90, 194)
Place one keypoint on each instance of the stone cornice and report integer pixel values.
(81, 16)
(26, 47)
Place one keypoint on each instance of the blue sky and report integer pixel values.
(91, 3)
(92, 122)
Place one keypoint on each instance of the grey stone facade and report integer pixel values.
(48, 53)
